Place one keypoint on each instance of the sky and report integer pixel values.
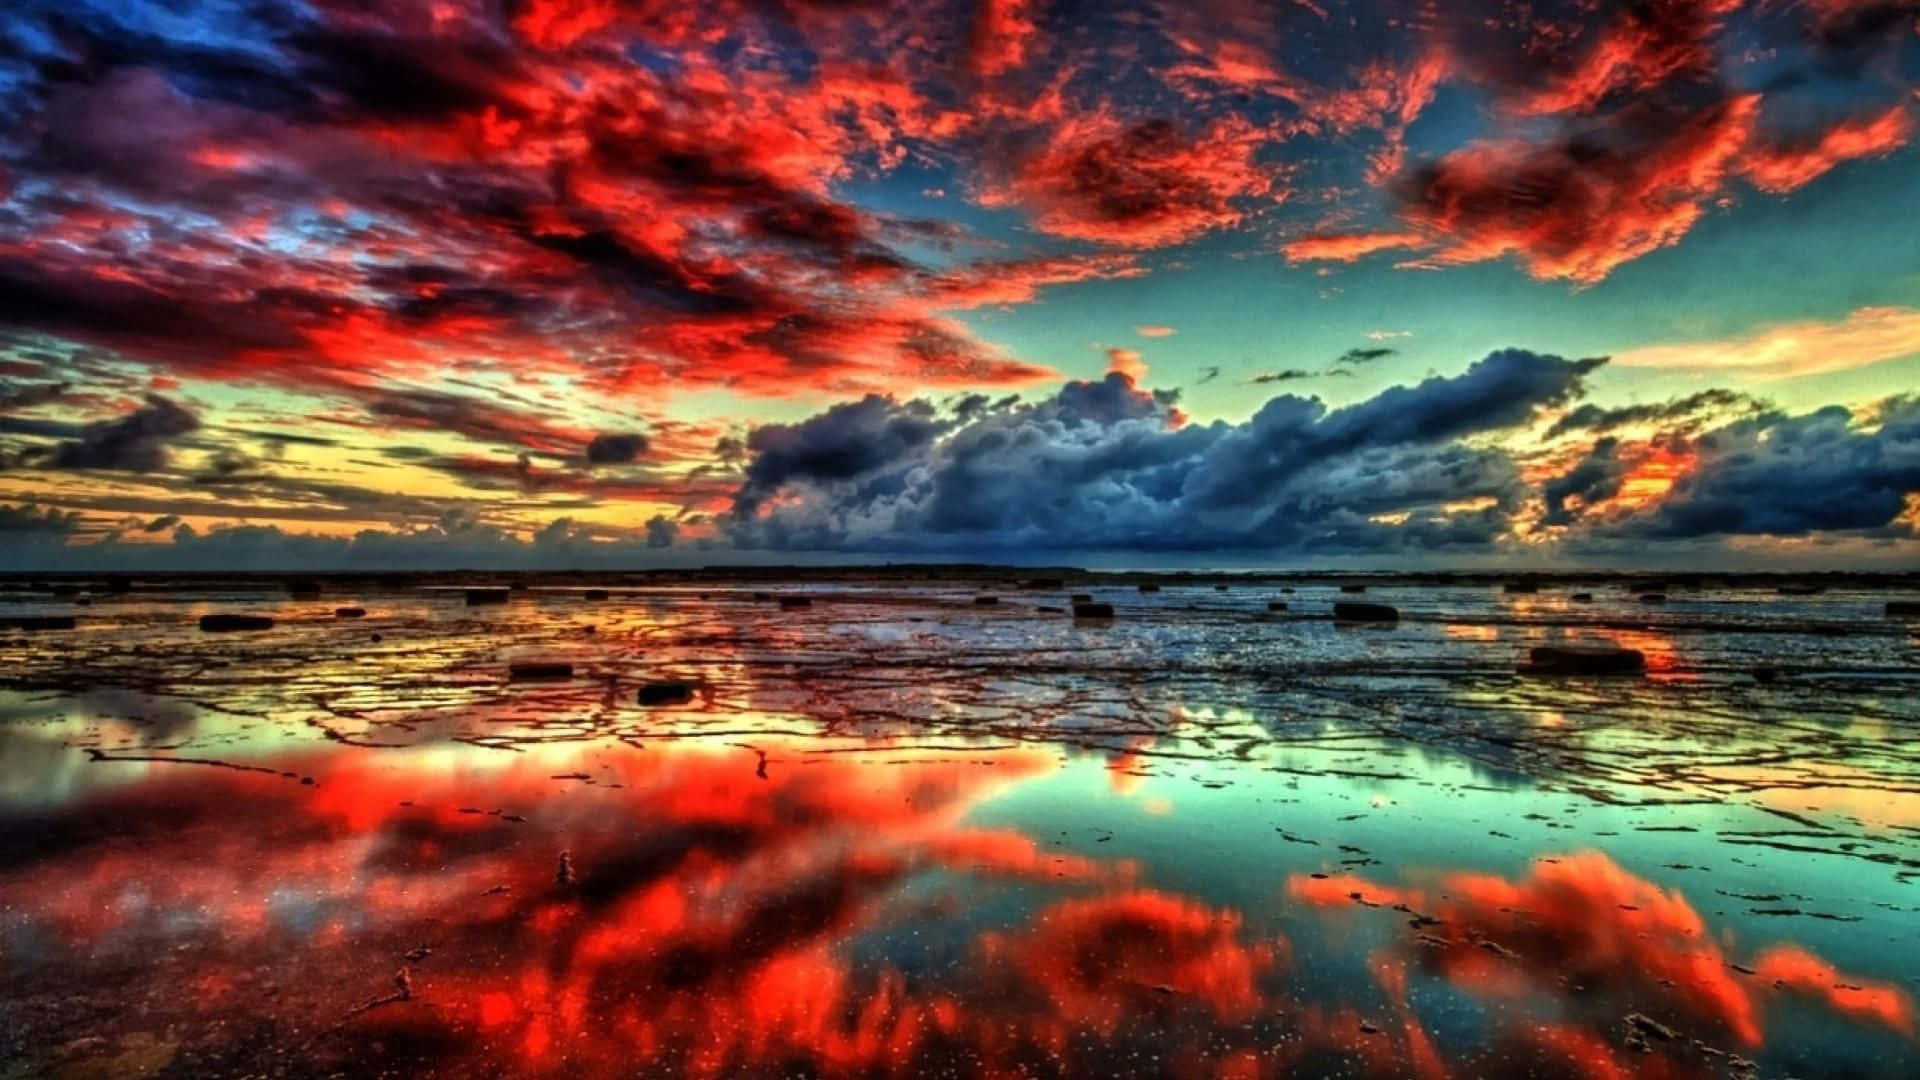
(381, 284)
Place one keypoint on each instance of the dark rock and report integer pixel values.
(303, 590)
(1356, 612)
(1801, 590)
(595, 594)
(540, 669)
(1653, 598)
(1276, 605)
(1765, 674)
(790, 602)
(666, 692)
(1585, 660)
(1907, 609)
(66, 590)
(1647, 1027)
(1082, 598)
(1044, 583)
(1148, 586)
(1519, 588)
(1353, 588)
(1050, 609)
(986, 601)
(763, 596)
(119, 585)
(1093, 611)
(1581, 598)
(42, 622)
(476, 597)
(1219, 588)
(349, 612)
(219, 624)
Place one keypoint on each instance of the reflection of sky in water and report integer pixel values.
(985, 839)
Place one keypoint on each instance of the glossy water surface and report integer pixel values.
(898, 832)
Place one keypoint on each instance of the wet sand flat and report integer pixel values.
(897, 831)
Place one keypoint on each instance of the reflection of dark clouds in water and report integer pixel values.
(159, 719)
(34, 769)
(37, 763)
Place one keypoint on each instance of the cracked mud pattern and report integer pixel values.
(896, 832)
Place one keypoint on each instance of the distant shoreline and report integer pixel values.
(1009, 576)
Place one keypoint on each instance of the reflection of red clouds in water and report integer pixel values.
(700, 935)
(1100, 959)
(1585, 920)
(411, 837)
(1796, 968)
(706, 930)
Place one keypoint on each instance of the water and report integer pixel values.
(900, 833)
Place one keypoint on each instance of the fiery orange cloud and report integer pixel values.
(1784, 168)
(1106, 180)
(1347, 247)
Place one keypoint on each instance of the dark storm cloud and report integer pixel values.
(845, 442)
(37, 540)
(1601, 420)
(1594, 478)
(45, 429)
(1847, 30)
(1502, 390)
(482, 421)
(1108, 466)
(662, 532)
(272, 438)
(1108, 401)
(399, 76)
(1792, 475)
(1363, 356)
(30, 520)
(136, 442)
(655, 279)
(616, 449)
(228, 466)
(40, 297)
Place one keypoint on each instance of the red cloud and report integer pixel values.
(1000, 36)
(1784, 168)
(1572, 65)
(1579, 210)
(1136, 184)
